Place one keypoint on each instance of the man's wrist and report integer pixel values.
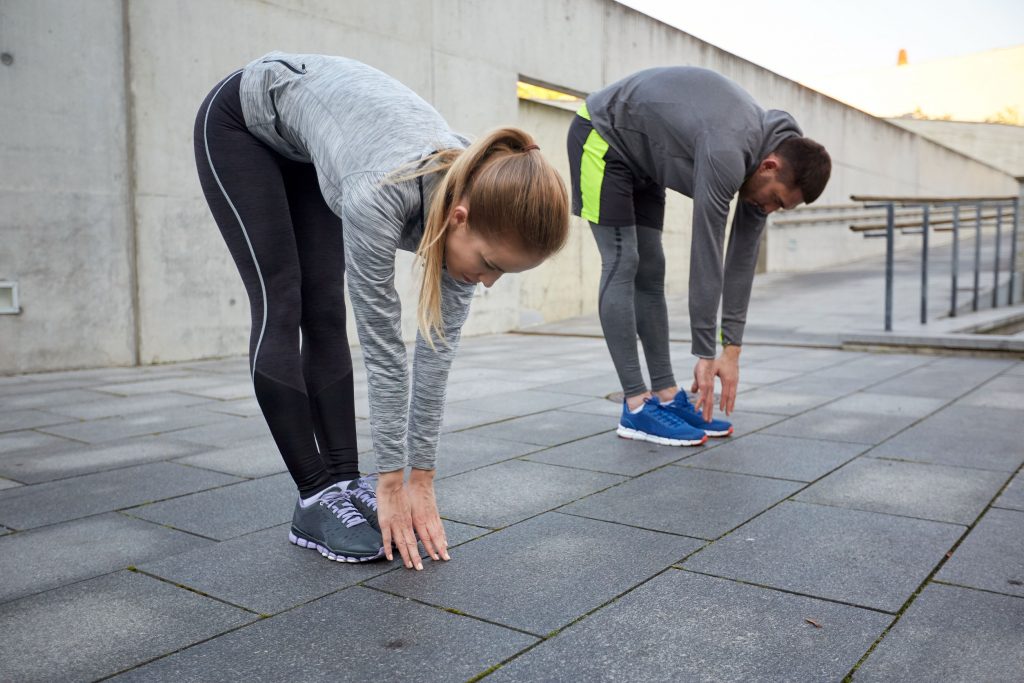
(731, 350)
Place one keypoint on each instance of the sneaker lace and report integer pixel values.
(365, 493)
(665, 417)
(338, 502)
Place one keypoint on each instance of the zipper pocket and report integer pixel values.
(289, 66)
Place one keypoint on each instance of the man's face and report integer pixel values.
(765, 190)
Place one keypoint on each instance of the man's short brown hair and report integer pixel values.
(808, 166)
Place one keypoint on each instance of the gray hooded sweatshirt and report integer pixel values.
(357, 125)
(696, 132)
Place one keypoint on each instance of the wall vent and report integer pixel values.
(9, 298)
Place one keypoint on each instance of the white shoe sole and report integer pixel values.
(312, 545)
(727, 432)
(636, 435)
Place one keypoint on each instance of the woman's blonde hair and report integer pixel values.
(515, 196)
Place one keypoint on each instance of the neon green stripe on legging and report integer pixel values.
(592, 176)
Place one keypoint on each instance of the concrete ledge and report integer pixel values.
(974, 344)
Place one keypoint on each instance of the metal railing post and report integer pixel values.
(890, 219)
(956, 258)
(995, 276)
(977, 256)
(924, 265)
(1013, 249)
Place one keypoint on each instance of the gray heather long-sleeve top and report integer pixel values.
(696, 132)
(357, 125)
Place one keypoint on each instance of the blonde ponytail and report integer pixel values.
(516, 198)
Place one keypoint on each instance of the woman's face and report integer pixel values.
(470, 258)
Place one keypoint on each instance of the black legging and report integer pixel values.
(288, 247)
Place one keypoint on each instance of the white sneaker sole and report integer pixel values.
(636, 435)
(312, 545)
(727, 432)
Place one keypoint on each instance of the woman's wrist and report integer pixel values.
(391, 481)
(421, 477)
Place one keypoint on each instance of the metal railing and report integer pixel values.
(944, 214)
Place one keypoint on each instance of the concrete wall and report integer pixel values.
(998, 144)
(463, 56)
(65, 205)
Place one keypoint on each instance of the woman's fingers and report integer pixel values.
(426, 538)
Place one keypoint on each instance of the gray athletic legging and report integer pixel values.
(632, 301)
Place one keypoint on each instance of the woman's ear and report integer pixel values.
(460, 215)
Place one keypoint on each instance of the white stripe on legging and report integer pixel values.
(259, 274)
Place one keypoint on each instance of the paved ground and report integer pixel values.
(868, 515)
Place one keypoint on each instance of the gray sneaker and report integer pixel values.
(335, 528)
(363, 491)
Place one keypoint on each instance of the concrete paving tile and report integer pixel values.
(932, 380)
(462, 391)
(759, 375)
(4, 531)
(597, 406)
(769, 455)
(508, 492)
(594, 386)
(682, 626)
(965, 436)
(227, 391)
(104, 405)
(29, 440)
(863, 558)
(1005, 392)
(237, 365)
(875, 367)
(980, 367)
(819, 384)
(50, 400)
(1013, 496)
(226, 431)
(383, 637)
(123, 427)
(992, 555)
(47, 558)
(104, 625)
(459, 533)
(40, 385)
(840, 425)
(609, 453)
(744, 422)
(228, 511)
(888, 404)
(686, 501)
(252, 459)
(8, 484)
(190, 382)
(518, 403)
(546, 429)
(926, 491)
(14, 420)
(74, 459)
(806, 361)
(243, 407)
(952, 634)
(459, 417)
(464, 451)
(262, 571)
(769, 399)
(496, 577)
(27, 507)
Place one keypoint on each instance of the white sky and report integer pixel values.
(806, 39)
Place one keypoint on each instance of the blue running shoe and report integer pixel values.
(681, 407)
(655, 424)
(335, 528)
